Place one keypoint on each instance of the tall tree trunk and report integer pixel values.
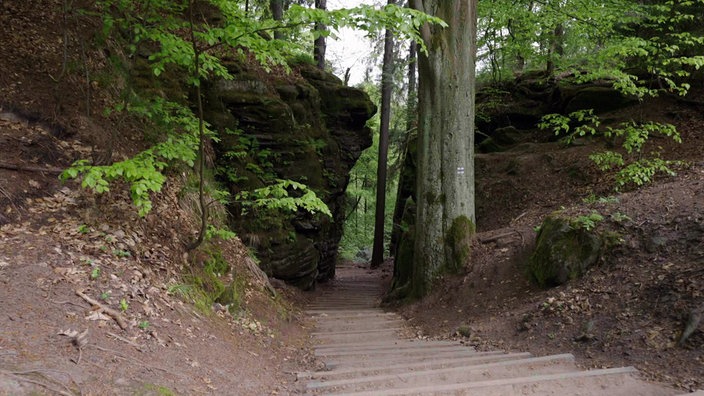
(406, 185)
(445, 183)
(319, 45)
(387, 80)
(277, 13)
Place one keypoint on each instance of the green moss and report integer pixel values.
(216, 264)
(404, 260)
(464, 330)
(204, 286)
(154, 390)
(232, 295)
(458, 243)
(563, 252)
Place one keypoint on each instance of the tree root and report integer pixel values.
(108, 311)
(5, 165)
(495, 238)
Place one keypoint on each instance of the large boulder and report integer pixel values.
(564, 251)
(305, 126)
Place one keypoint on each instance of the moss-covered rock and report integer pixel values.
(307, 127)
(563, 251)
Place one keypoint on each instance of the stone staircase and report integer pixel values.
(365, 354)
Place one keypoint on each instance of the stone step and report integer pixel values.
(478, 358)
(343, 304)
(335, 301)
(611, 382)
(445, 376)
(387, 351)
(376, 343)
(345, 312)
(358, 324)
(371, 298)
(356, 336)
(364, 354)
(339, 297)
(381, 345)
(355, 361)
(326, 317)
(367, 332)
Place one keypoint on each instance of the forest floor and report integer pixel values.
(92, 300)
(96, 300)
(631, 308)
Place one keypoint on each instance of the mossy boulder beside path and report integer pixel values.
(563, 251)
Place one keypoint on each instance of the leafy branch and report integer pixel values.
(633, 169)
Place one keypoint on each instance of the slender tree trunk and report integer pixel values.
(387, 80)
(201, 136)
(277, 13)
(445, 183)
(406, 187)
(319, 45)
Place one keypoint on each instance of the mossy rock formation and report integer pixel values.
(305, 126)
(563, 251)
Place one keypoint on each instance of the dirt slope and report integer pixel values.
(632, 307)
(94, 300)
(93, 303)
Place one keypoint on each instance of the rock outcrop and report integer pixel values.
(563, 251)
(304, 126)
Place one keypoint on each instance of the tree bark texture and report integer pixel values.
(387, 81)
(445, 181)
(319, 46)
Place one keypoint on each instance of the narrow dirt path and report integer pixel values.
(365, 354)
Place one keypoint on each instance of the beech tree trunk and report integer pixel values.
(445, 181)
(319, 46)
(387, 80)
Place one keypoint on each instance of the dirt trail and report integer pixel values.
(367, 351)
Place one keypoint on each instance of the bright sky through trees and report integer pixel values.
(350, 47)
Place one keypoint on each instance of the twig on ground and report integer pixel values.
(25, 168)
(519, 217)
(497, 237)
(125, 340)
(107, 310)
